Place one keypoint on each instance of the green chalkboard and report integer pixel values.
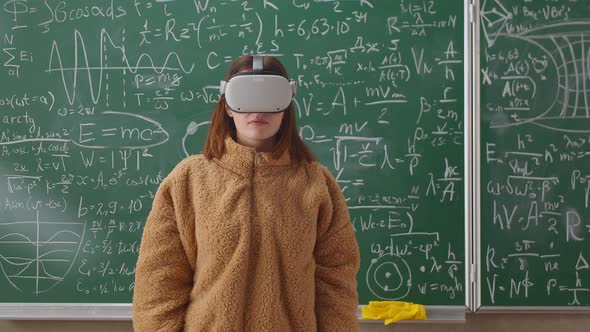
(101, 99)
(535, 143)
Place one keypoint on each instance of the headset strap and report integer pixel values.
(257, 63)
(257, 68)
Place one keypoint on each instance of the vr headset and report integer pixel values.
(259, 91)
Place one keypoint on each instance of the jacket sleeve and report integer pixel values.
(164, 276)
(337, 262)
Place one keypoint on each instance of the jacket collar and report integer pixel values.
(244, 159)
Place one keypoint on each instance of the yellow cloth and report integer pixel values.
(393, 311)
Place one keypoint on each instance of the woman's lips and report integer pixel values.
(258, 122)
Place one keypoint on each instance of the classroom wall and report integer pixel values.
(479, 323)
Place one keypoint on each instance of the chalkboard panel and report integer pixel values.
(535, 153)
(101, 99)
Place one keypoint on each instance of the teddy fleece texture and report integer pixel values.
(247, 243)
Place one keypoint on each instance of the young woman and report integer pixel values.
(251, 235)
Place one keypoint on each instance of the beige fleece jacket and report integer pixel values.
(247, 243)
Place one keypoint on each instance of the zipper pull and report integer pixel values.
(257, 159)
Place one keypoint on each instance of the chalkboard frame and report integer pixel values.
(124, 312)
(470, 153)
(475, 301)
(435, 313)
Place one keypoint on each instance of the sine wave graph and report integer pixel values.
(96, 73)
(37, 255)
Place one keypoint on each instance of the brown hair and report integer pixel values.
(223, 126)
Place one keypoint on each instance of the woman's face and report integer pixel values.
(256, 129)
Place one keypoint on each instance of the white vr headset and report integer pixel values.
(258, 91)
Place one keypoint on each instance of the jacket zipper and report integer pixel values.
(257, 159)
